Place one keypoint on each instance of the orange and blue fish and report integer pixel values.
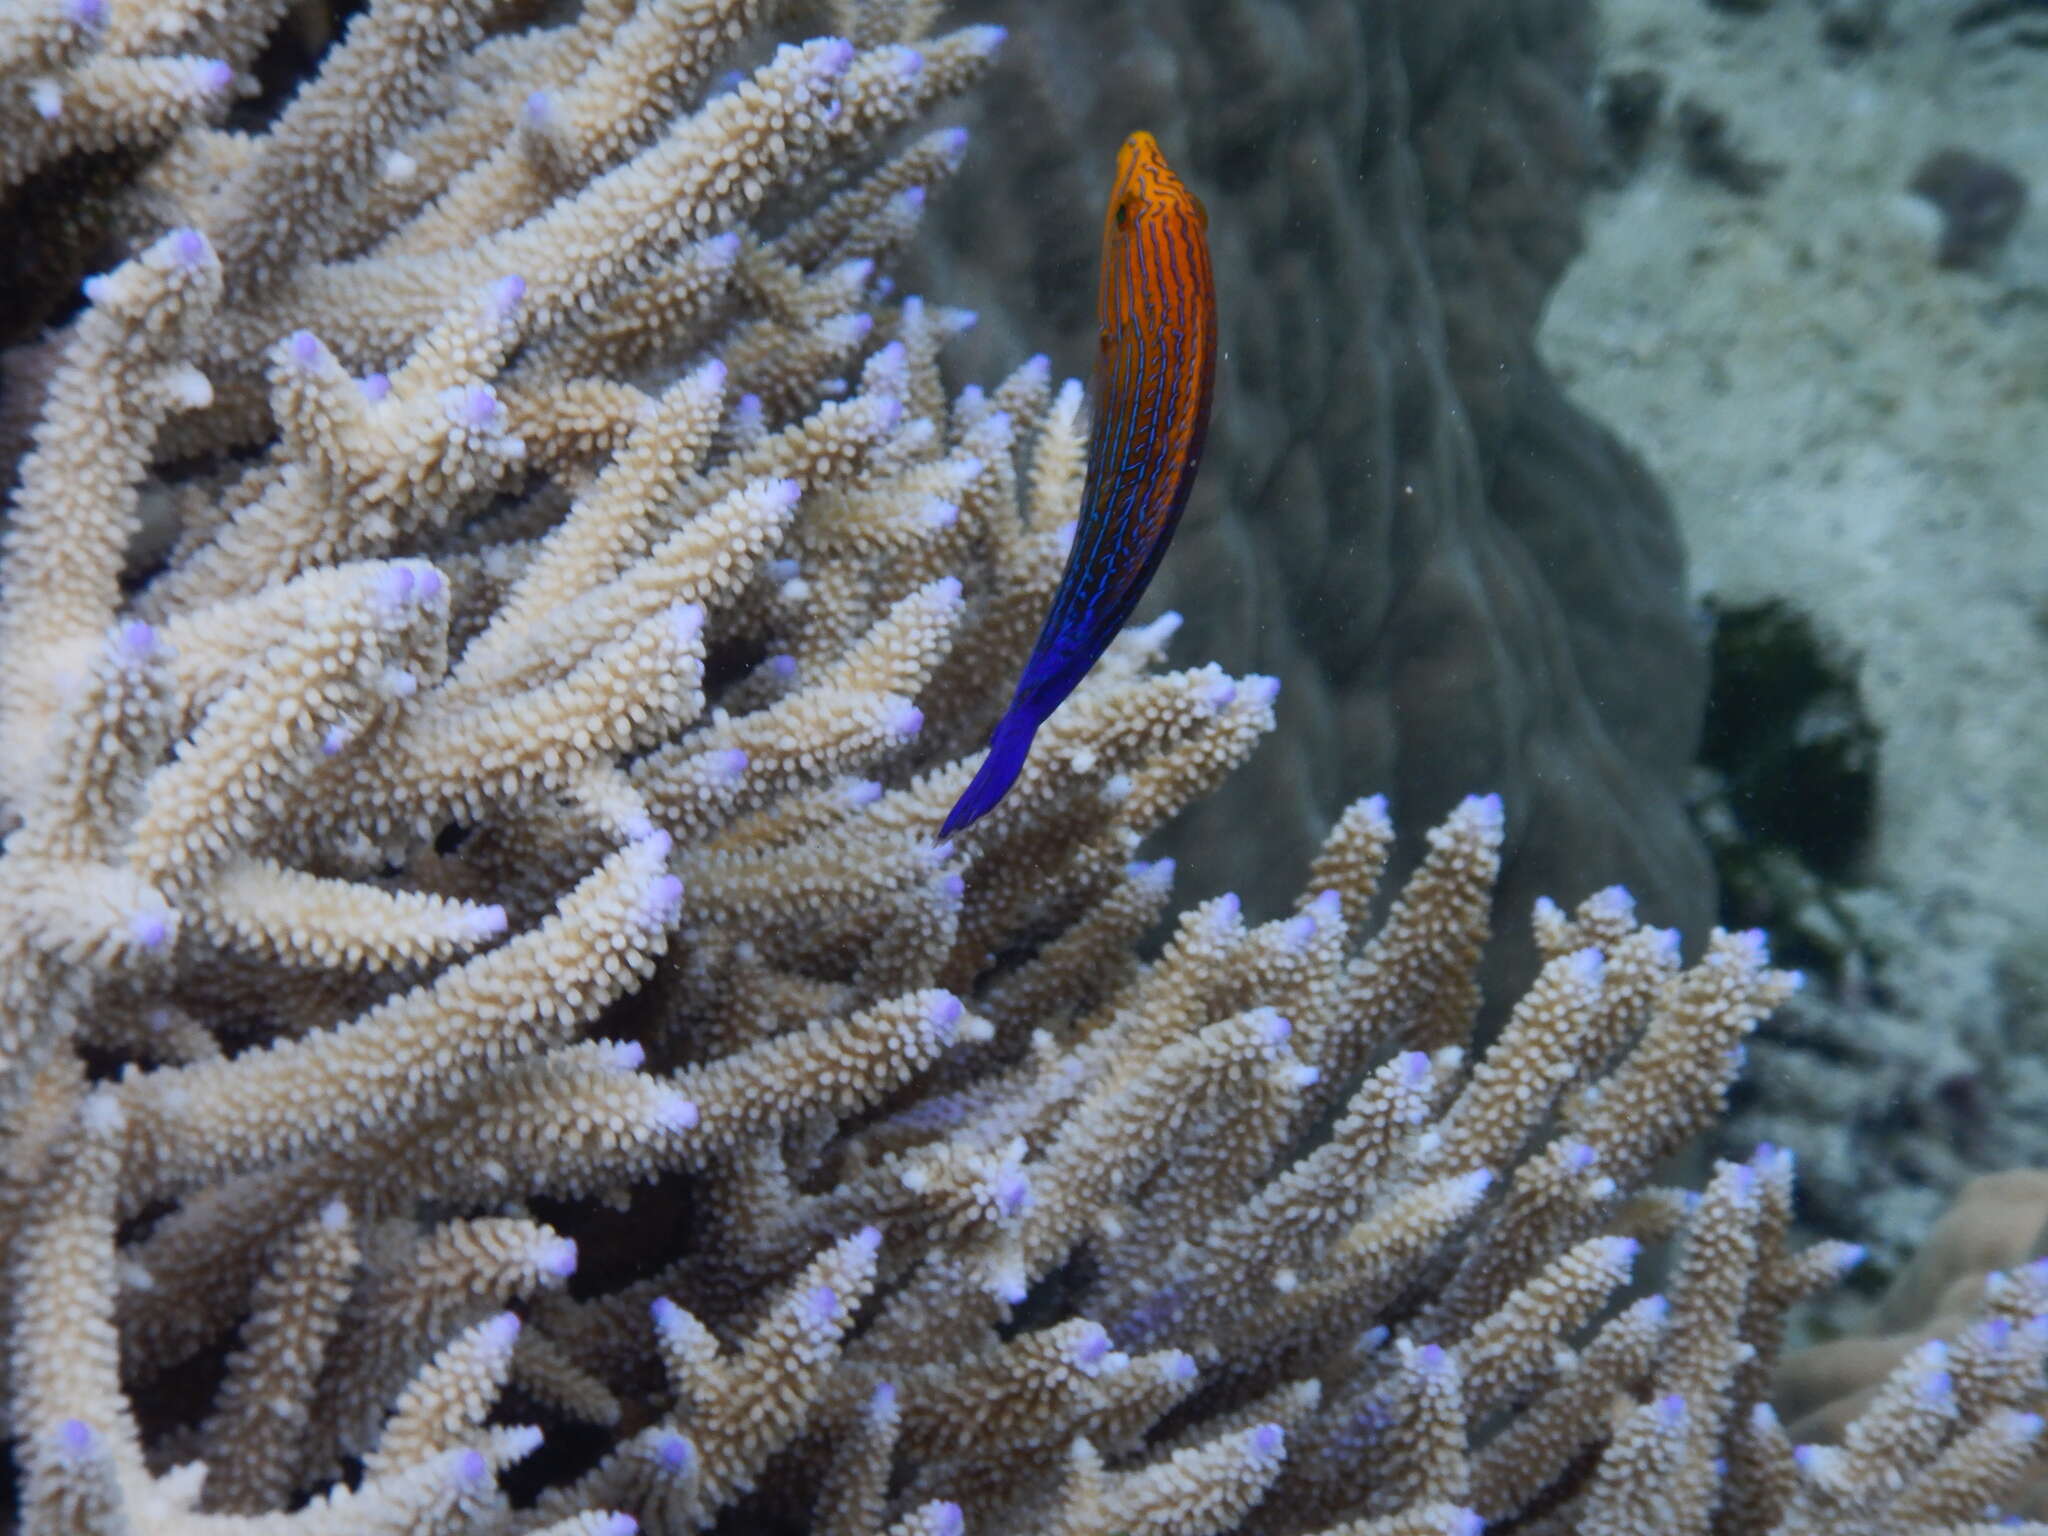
(1154, 374)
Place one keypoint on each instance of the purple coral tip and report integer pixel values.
(1090, 1347)
(480, 407)
(149, 928)
(215, 76)
(375, 387)
(1613, 901)
(557, 1257)
(823, 1304)
(471, 1468)
(1670, 1410)
(907, 721)
(912, 199)
(188, 246)
(782, 666)
(89, 13)
(502, 1331)
(882, 1401)
(947, 1519)
(944, 1018)
(305, 349)
(911, 65)
(1275, 1028)
(953, 141)
(538, 110)
(1465, 1522)
(863, 792)
(507, 293)
(1268, 1440)
(834, 54)
(1013, 1192)
(617, 1524)
(138, 640)
(75, 1438)
(675, 1113)
(1484, 809)
(674, 1452)
(953, 886)
(627, 1055)
(868, 1240)
(687, 621)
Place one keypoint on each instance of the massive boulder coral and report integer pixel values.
(487, 1043)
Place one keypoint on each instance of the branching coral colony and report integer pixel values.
(509, 797)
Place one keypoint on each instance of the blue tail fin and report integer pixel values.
(999, 770)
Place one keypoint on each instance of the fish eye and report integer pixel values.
(1123, 214)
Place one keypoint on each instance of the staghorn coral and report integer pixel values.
(486, 1044)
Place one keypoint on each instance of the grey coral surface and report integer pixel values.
(1464, 581)
(1847, 426)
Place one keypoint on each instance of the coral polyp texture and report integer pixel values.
(496, 601)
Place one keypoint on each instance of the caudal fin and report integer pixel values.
(999, 770)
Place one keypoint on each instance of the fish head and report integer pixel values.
(1147, 188)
